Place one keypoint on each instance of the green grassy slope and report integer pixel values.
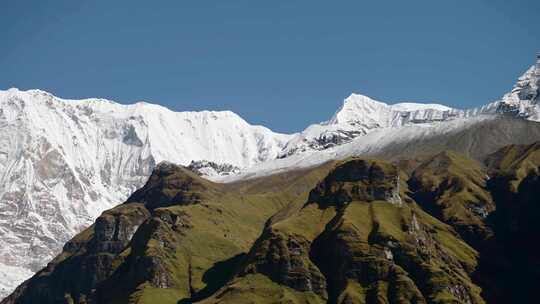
(354, 243)
(452, 188)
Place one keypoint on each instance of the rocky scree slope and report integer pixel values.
(442, 229)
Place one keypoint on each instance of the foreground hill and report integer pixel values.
(439, 229)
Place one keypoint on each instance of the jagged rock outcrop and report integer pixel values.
(359, 180)
(524, 99)
(208, 168)
(285, 259)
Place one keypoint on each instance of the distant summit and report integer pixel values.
(361, 115)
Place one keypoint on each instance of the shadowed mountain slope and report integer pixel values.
(509, 265)
(476, 142)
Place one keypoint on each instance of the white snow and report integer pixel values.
(11, 277)
(410, 106)
(360, 115)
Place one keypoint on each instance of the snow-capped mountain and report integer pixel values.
(62, 162)
(524, 99)
(360, 115)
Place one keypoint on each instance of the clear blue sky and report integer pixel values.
(283, 64)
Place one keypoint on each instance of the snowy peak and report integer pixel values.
(359, 115)
(360, 109)
(524, 99)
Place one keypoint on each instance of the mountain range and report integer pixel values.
(220, 200)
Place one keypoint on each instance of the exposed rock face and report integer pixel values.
(524, 99)
(359, 180)
(286, 261)
(146, 262)
(372, 269)
(464, 195)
